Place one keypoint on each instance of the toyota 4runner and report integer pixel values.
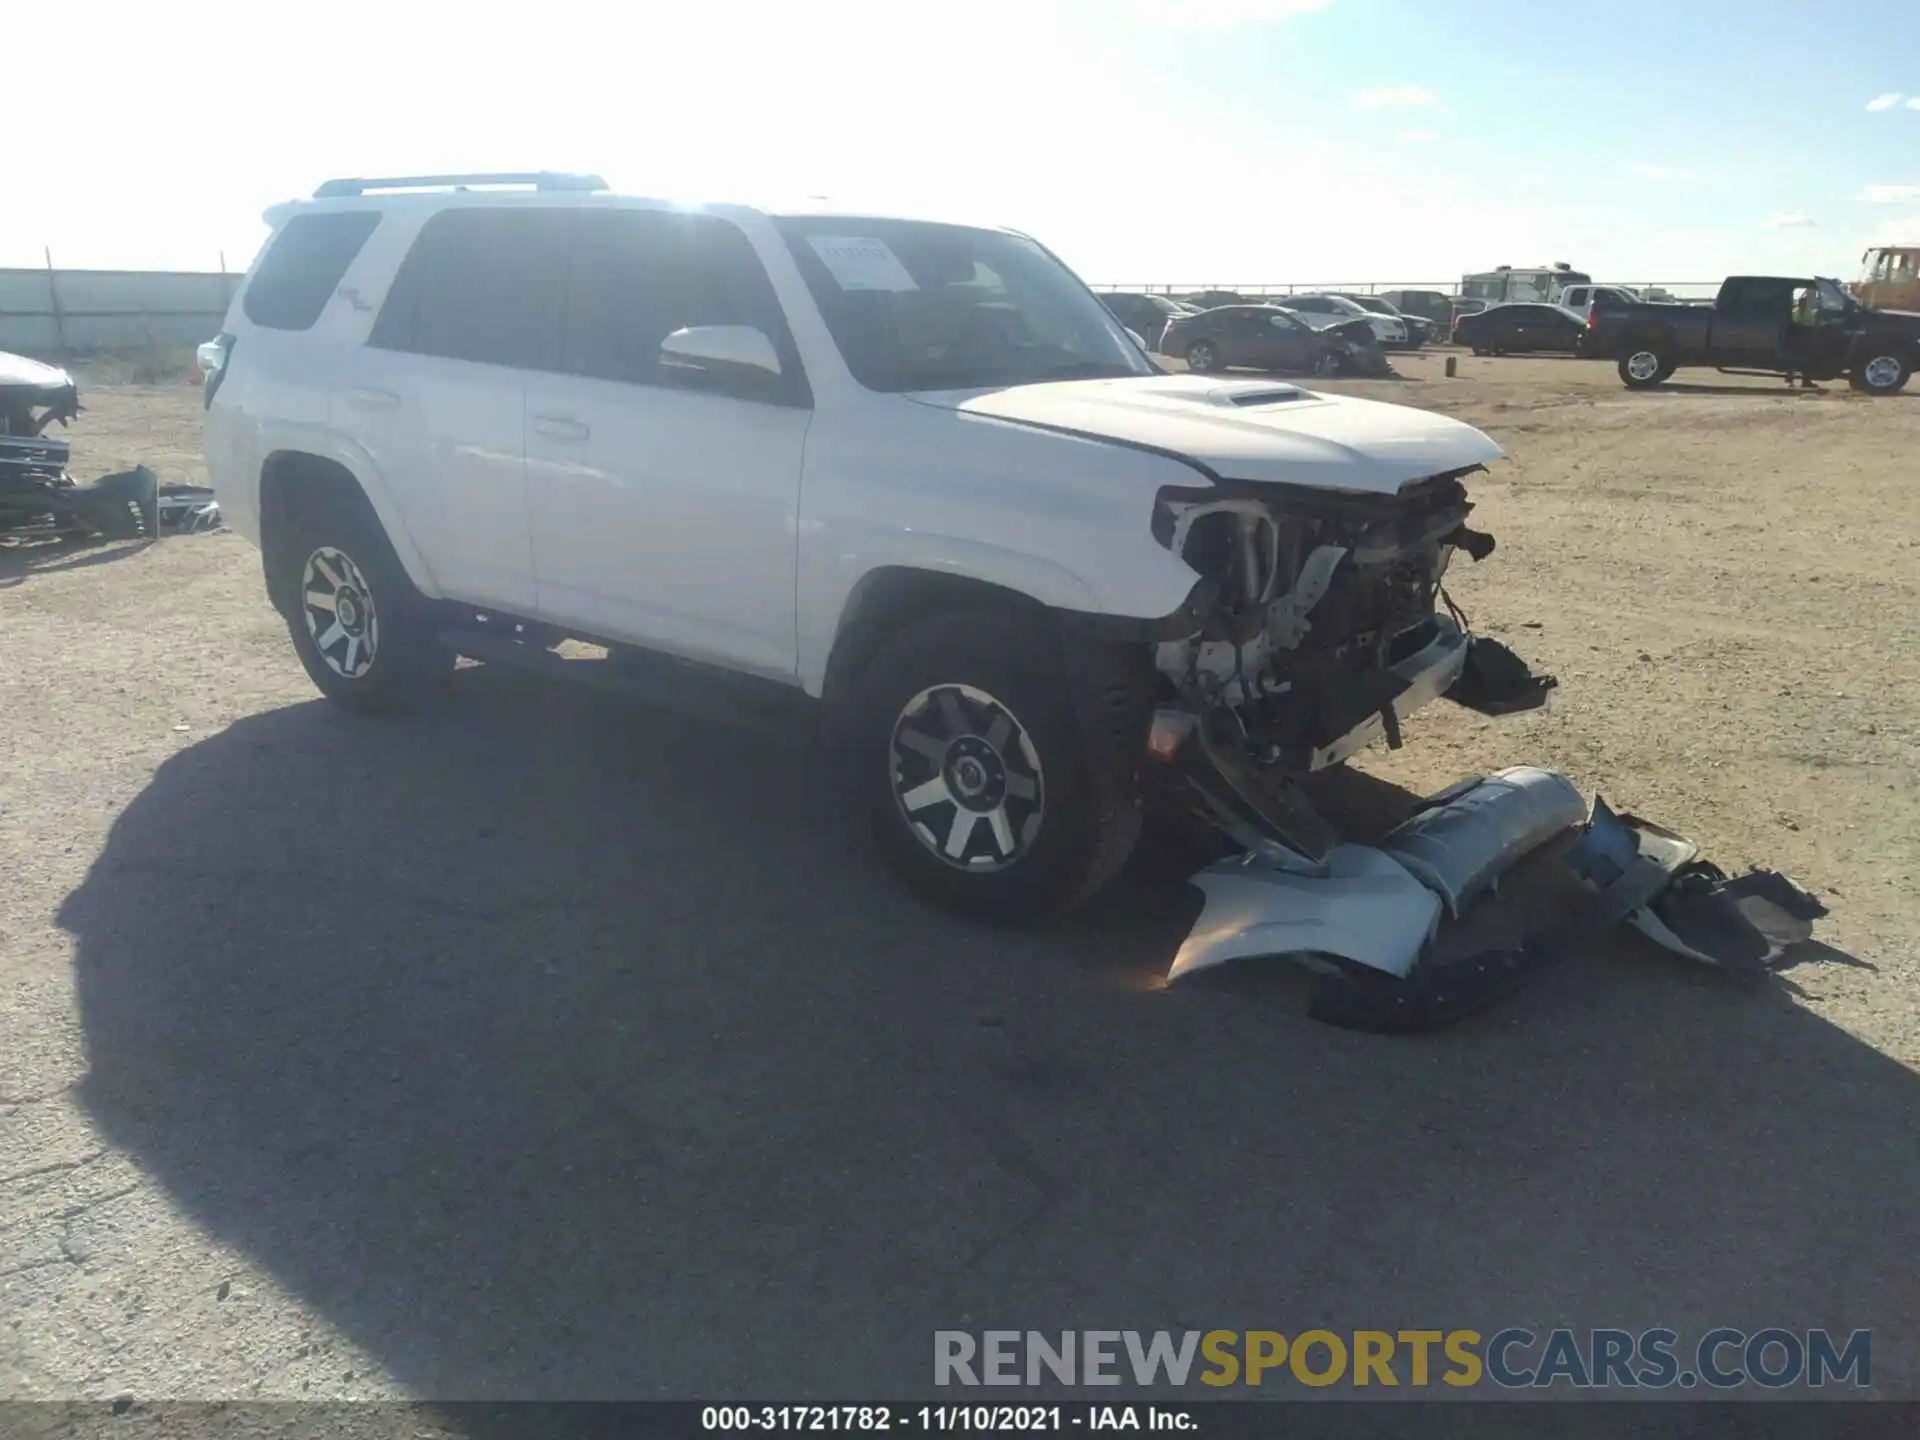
(907, 482)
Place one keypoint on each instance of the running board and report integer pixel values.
(766, 708)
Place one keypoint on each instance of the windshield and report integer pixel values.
(1378, 307)
(919, 306)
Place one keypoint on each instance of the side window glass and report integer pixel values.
(481, 284)
(639, 275)
(298, 275)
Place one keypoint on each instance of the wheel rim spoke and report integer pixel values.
(1021, 787)
(951, 712)
(321, 600)
(332, 635)
(922, 743)
(1002, 831)
(931, 792)
(961, 832)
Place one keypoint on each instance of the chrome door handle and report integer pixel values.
(560, 427)
(368, 399)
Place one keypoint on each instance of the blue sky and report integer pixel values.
(1169, 141)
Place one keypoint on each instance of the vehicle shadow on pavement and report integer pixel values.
(550, 1047)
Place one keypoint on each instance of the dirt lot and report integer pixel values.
(549, 1047)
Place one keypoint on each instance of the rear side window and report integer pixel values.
(639, 275)
(483, 285)
(297, 275)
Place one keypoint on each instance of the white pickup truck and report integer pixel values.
(905, 482)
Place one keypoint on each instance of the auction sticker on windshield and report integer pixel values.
(858, 262)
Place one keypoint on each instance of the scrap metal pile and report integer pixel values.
(39, 500)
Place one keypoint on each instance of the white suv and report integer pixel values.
(1320, 311)
(909, 482)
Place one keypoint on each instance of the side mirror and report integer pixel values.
(725, 352)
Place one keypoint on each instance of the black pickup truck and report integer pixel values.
(1749, 330)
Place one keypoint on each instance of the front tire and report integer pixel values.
(1881, 374)
(360, 628)
(1643, 367)
(985, 789)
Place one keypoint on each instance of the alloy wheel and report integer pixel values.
(966, 778)
(1881, 372)
(337, 604)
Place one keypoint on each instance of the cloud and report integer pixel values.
(1886, 101)
(1889, 194)
(1905, 231)
(1389, 97)
(1788, 220)
(1415, 137)
(1661, 172)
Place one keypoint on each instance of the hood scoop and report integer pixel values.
(1274, 395)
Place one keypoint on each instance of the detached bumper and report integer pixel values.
(1433, 924)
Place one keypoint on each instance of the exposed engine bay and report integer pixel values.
(1323, 623)
(1326, 623)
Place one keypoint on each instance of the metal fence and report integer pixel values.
(57, 314)
(1679, 289)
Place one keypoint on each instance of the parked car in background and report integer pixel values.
(1584, 297)
(1750, 330)
(1267, 337)
(1321, 311)
(1515, 329)
(1145, 315)
(1433, 306)
(1419, 329)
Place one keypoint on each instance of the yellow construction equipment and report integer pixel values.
(1889, 278)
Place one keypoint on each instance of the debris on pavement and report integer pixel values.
(1374, 920)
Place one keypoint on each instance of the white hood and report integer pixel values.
(1247, 429)
(19, 370)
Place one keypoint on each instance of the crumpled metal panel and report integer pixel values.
(1464, 844)
(1366, 908)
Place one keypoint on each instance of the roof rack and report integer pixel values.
(538, 179)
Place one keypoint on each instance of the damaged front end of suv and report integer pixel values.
(1325, 623)
(1322, 623)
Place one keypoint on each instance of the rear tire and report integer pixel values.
(1203, 357)
(1880, 374)
(1643, 367)
(984, 787)
(362, 631)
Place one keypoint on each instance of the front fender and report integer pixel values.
(836, 595)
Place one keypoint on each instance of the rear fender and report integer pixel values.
(330, 445)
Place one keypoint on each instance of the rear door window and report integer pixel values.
(299, 272)
(484, 285)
